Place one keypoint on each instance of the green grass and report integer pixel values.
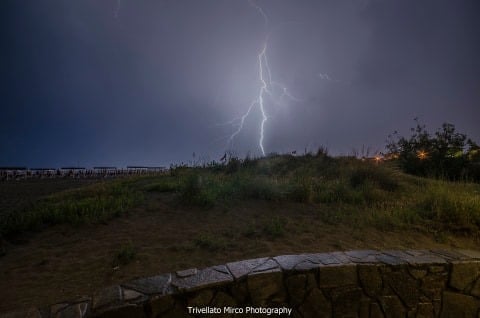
(92, 204)
(455, 207)
(125, 254)
(275, 227)
(344, 190)
(283, 178)
(339, 190)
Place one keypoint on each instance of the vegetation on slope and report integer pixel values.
(445, 154)
(344, 190)
(341, 190)
(94, 203)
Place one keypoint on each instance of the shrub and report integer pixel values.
(233, 165)
(125, 255)
(195, 191)
(445, 154)
(375, 175)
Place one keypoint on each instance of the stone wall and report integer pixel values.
(340, 284)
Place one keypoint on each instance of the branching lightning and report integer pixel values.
(326, 77)
(269, 89)
(117, 9)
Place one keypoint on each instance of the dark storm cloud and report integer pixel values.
(147, 82)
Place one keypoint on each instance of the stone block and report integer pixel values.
(450, 255)
(425, 310)
(266, 287)
(243, 268)
(417, 273)
(421, 257)
(391, 260)
(288, 262)
(376, 311)
(392, 307)
(73, 311)
(458, 305)
(107, 297)
(346, 301)
(307, 266)
(437, 269)
(130, 295)
(336, 276)
(324, 258)
(201, 298)
(370, 279)
(187, 272)
(432, 285)
(399, 254)
(364, 311)
(416, 253)
(150, 285)
(298, 286)
(239, 291)
(205, 278)
(463, 274)
(407, 288)
(316, 305)
(363, 256)
(341, 256)
(269, 265)
(471, 254)
(223, 299)
(160, 304)
(475, 291)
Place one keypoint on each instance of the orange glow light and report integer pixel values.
(422, 155)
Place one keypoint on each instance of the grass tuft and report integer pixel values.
(275, 227)
(125, 254)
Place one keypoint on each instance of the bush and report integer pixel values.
(125, 255)
(375, 175)
(195, 191)
(446, 154)
(233, 165)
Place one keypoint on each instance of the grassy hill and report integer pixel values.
(345, 190)
(73, 241)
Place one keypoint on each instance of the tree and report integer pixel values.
(445, 154)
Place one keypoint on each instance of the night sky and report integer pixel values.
(124, 82)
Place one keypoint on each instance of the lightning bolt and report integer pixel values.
(267, 91)
(326, 77)
(117, 9)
